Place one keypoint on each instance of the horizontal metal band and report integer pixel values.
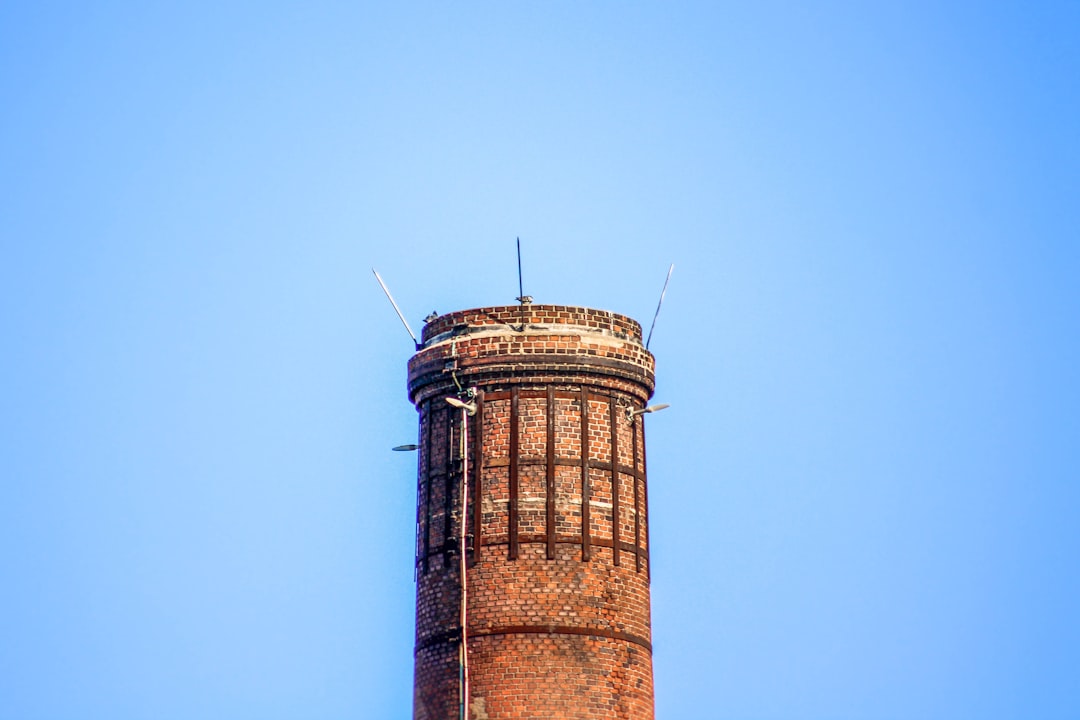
(534, 394)
(505, 330)
(576, 358)
(574, 462)
(455, 634)
(564, 540)
(532, 539)
(452, 635)
(532, 366)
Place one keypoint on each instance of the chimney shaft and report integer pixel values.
(557, 537)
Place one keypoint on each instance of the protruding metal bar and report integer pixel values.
(585, 499)
(657, 314)
(613, 415)
(550, 489)
(478, 467)
(513, 489)
(397, 309)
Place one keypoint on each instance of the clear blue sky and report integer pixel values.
(865, 495)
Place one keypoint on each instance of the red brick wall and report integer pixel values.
(558, 612)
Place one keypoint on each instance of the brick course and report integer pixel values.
(558, 550)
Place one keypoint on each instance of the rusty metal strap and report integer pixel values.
(593, 394)
(528, 460)
(536, 365)
(454, 635)
(534, 539)
(439, 638)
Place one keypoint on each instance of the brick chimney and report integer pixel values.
(556, 525)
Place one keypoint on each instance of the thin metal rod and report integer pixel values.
(657, 314)
(396, 308)
(521, 287)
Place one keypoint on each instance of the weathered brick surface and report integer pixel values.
(558, 612)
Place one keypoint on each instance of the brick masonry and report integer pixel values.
(558, 543)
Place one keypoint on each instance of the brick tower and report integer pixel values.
(547, 435)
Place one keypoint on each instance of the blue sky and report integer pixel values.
(864, 496)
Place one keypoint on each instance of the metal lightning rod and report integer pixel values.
(657, 314)
(522, 297)
(397, 309)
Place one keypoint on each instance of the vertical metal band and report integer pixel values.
(637, 494)
(585, 500)
(448, 486)
(478, 468)
(645, 504)
(514, 462)
(615, 519)
(427, 483)
(550, 489)
(419, 499)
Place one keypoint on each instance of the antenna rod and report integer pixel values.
(521, 288)
(662, 292)
(397, 309)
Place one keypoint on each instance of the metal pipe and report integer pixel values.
(464, 648)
